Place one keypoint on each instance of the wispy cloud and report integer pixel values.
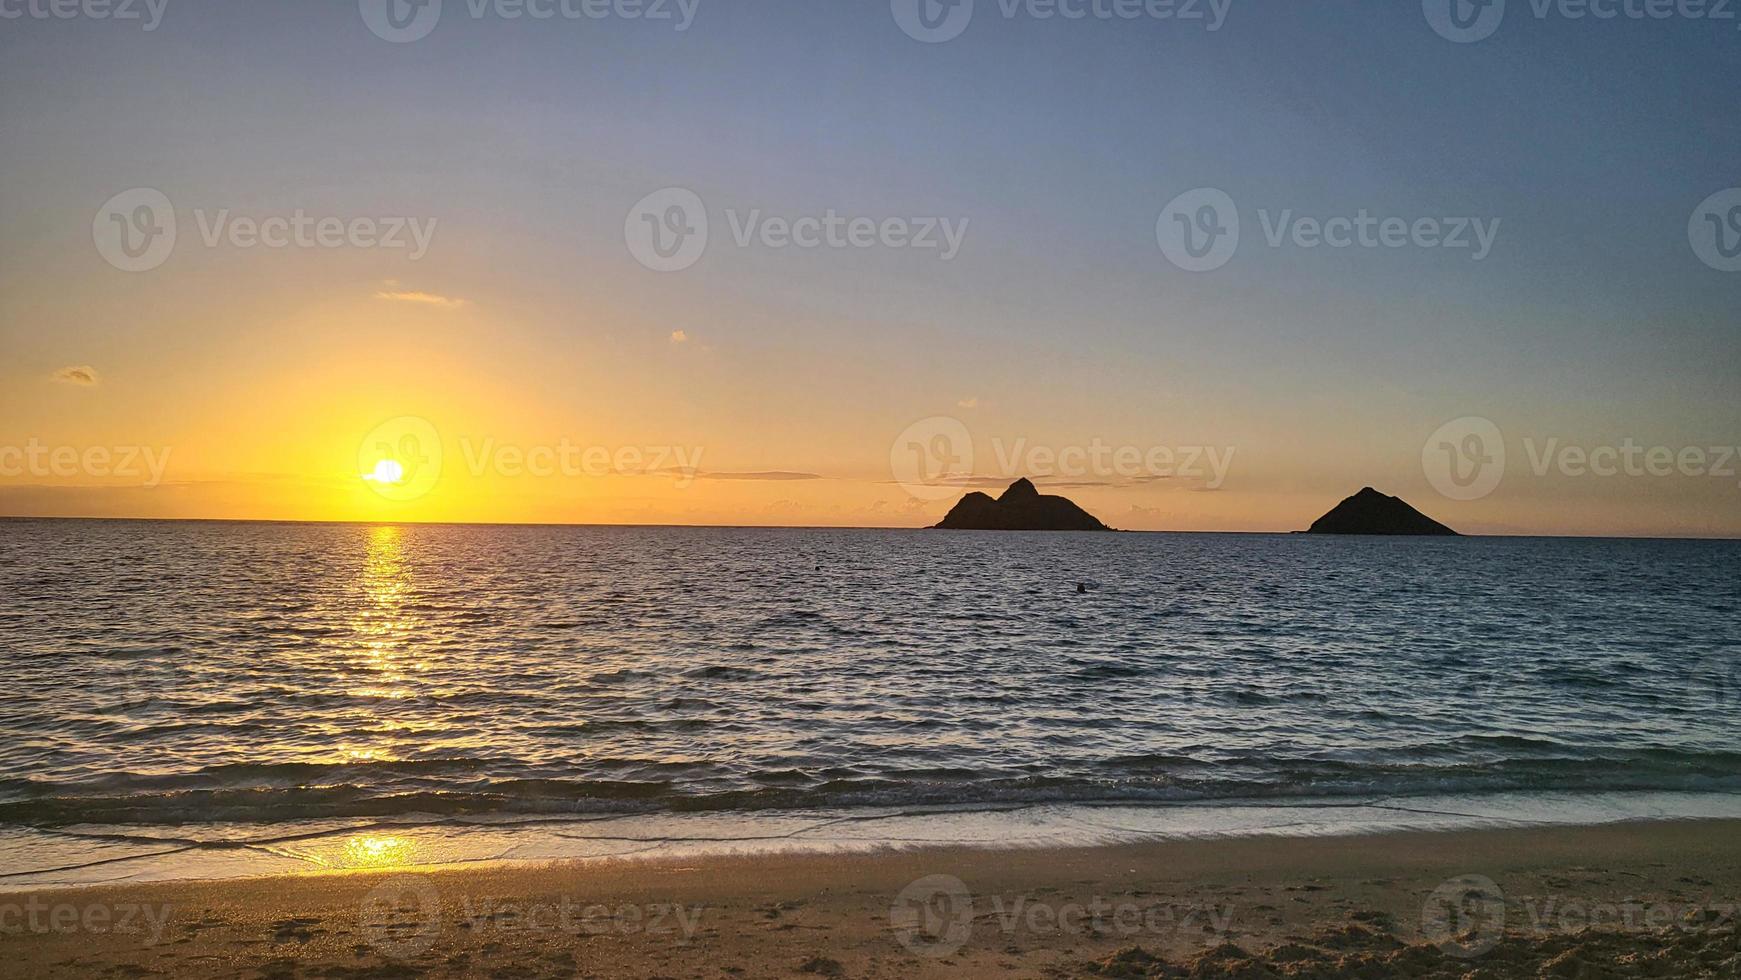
(416, 296)
(968, 403)
(679, 337)
(767, 476)
(82, 375)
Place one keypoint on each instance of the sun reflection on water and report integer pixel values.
(375, 851)
(382, 658)
(382, 622)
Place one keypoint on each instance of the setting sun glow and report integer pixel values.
(387, 471)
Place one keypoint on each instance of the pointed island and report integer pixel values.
(1371, 512)
(1021, 508)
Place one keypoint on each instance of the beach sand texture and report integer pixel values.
(1640, 899)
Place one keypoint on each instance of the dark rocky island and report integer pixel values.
(1371, 512)
(1021, 508)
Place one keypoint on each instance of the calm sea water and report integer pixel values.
(185, 674)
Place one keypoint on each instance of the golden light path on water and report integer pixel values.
(381, 622)
(382, 627)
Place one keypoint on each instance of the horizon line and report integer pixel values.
(812, 527)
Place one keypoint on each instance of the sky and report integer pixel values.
(798, 263)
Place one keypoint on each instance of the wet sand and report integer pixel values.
(1640, 899)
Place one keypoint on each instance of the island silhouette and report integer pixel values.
(1371, 512)
(1021, 508)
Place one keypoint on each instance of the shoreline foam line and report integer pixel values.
(66, 857)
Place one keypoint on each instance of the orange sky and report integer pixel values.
(286, 424)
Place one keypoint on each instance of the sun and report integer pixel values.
(387, 471)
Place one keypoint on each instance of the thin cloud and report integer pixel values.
(416, 296)
(766, 476)
(968, 403)
(679, 337)
(82, 375)
(770, 475)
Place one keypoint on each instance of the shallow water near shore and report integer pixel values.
(724, 687)
(97, 855)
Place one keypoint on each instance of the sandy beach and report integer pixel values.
(1640, 899)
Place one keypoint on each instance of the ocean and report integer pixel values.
(191, 699)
